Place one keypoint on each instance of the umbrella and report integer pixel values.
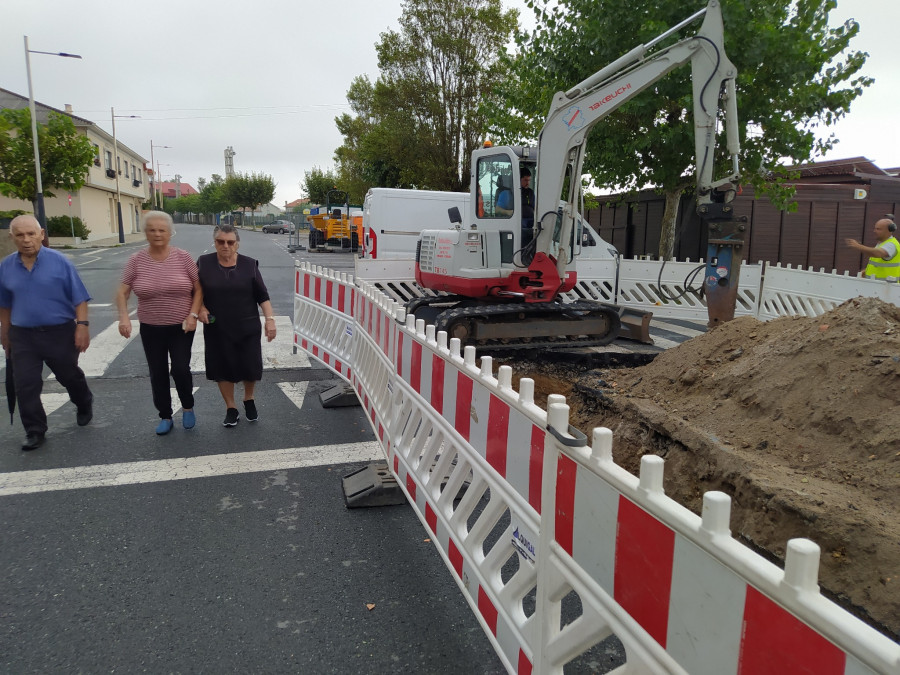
(10, 389)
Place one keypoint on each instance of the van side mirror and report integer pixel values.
(453, 212)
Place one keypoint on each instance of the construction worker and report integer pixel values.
(884, 257)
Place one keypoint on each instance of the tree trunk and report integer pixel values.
(669, 220)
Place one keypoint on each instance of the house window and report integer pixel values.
(126, 168)
(134, 172)
(119, 165)
(140, 176)
(108, 157)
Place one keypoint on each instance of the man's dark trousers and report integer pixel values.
(31, 349)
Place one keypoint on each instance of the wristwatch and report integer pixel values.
(82, 323)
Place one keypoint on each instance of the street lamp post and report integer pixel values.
(159, 175)
(155, 182)
(112, 114)
(39, 186)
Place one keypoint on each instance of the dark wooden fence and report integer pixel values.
(814, 235)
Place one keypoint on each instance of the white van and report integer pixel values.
(393, 219)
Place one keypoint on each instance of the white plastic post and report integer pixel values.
(429, 334)
(420, 327)
(526, 391)
(455, 346)
(601, 446)
(651, 478)
(556, 398)
(558, 415)
(487, 366)
(504, 377)
(469, 356)
(716, 514)
(442, 341)
(801, 565)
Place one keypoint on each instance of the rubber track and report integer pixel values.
(446, 318)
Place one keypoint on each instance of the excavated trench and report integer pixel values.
(791, 418)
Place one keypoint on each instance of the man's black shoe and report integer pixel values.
(33, 441)
(84, 415)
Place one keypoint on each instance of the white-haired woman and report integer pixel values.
(164, 279)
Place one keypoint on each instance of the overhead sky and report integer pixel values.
(268, 78)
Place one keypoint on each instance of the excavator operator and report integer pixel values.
(505, 205)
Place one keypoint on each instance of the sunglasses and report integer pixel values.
(226, 242)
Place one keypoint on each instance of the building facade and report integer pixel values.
(95, 203)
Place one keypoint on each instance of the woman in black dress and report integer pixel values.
(232, 289)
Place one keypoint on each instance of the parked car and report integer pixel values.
(279, 227)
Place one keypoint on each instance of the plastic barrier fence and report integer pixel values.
(640, 286)
(531, 521)
(765, 291)
(799, 292)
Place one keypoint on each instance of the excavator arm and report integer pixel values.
(574, 112)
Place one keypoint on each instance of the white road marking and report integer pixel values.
(176, 402)
(104, 348)
(108, 344)
(277, 354)
(198, 362)
(53, 402)
(296, 391)
(94, 304)
(88, 261)
(185, 468)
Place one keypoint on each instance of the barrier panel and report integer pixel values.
(765, 291)
(527, 517)
(799, 292)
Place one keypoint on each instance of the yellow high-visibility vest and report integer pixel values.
(879, 268)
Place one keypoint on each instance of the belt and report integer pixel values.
(55, 326)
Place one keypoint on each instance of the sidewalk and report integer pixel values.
(108, 242)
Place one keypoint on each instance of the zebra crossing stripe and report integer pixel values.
(108, 344)
(104, 348)
(184, 468)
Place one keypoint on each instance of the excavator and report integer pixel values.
(500, 288)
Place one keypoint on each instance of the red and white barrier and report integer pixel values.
(524, 514)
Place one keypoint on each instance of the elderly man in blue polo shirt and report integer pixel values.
(43, 319)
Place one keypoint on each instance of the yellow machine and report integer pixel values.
(335, 228)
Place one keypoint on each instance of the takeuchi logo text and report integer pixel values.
(610, 97)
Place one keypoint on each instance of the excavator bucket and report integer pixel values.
(635, 325)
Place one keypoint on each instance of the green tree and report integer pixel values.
(212, 196)
(186, 204)
(316, 184)
(66, 155)
(249, 190)
(419, 122)
(796, 76)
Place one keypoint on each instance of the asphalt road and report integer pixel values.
(214, 550)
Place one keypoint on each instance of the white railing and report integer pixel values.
(764, 291)
(525, 515)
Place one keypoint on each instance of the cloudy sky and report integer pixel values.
(268, 78)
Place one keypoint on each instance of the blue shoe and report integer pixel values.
(164, 427)
(189, 419)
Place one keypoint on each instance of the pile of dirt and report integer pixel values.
(797, 419)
